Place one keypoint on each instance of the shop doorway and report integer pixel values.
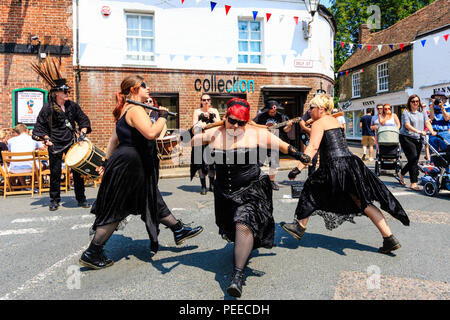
(293, 104)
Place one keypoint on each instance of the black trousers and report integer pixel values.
(411, 148)
(55, 178)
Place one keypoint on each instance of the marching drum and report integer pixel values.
(168, 147)
(84, 158)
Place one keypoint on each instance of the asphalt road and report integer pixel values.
(40, 251)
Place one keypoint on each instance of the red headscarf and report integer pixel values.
(238, 108)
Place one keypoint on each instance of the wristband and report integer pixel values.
(304, 158)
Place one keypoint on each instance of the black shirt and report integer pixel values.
(265, 119)
(3, 147)
(53, 123)
(365, 128)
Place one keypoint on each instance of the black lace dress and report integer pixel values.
(129, 184)
(341, 174)
(242, 194)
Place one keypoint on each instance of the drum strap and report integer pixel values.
(68, 125)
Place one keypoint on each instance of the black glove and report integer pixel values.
(81, 137)
(163, 113)
(304, 158)
(202, 117)
(104, 163)
(293, 173)
(211, 117)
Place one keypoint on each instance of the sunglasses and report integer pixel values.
(239, 122)
(204, 100)
(415, 101)
(387, 108)
(312, 107)
(144, 85)
(150, 101)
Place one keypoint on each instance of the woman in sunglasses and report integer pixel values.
(129, 183)
(242, 193)
(203, 116)
(342, 187)
(387, 118)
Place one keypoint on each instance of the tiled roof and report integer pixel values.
(431, 17)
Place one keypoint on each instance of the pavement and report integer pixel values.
(40, 251)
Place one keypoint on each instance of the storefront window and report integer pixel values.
(358, 116)
(349, 121)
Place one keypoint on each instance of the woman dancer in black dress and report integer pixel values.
(129, 184)
(343, 187)
(242, 194)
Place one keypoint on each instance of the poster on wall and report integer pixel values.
(27, 103)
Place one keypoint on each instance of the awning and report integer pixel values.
(394, 99)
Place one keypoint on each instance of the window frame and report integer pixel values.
(385, 77)
(358, 85)
(141, 54)
(249, 53)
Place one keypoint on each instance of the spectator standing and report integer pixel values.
(440, 120)
(368, 135)
(411, 137)
(387, 118)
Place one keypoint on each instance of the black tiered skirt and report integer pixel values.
(331, 192)
(250, 205)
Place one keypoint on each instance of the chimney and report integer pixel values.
(364, 32)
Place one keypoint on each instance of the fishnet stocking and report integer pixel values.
(243, 245)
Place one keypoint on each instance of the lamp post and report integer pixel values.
(311, 6)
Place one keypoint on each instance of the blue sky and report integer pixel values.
(326, 3)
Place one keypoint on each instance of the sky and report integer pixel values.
(326, 3)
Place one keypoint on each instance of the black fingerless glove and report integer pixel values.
(300, 156)
(163, 113)
(104, 163)
(211, 117)
(202, 117)
(81, 137)
(293, 173)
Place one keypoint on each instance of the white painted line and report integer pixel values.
(81, 226)
(407, 193)
(178, 209)
(51, 218)
(41, 276)
(20, 231)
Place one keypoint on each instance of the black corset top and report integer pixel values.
(333, 145)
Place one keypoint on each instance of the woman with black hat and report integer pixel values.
(55, 125)
(242, 194)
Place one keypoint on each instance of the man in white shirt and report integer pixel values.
(22, 143)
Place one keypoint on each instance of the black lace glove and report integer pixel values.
(211, 117)
(163, 113)
(202, 117)
(293, 173)
(300, 156)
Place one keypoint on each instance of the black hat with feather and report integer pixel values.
(49, 71)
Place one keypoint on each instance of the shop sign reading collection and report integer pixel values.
(214, 85)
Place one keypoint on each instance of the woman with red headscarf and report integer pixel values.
(242, 193)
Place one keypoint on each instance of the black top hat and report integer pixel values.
(272, 104)
(60, 84)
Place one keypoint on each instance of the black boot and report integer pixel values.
(182, 232)
(294, 229)
(95, 258)
(203, 182)
(211, 184)
(53, 205)
(235, 287)
(389, 244)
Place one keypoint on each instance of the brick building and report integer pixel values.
(182, 50)
(388, 75)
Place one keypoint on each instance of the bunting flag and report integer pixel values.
(227, 9)
(351, 45)
(423, 42)
(182, 1)
(436, 40)
(255, 13)
(281, 17)
(213, 5)
(446, 37)
(360, 46)
(342, 45)
(401, 46)
(296, 22)
(268, 15)
(380, 46)
(369, 47)
(391, 46)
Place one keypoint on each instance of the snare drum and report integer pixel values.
(167, 147)
(84, 158)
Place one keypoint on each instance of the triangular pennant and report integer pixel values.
(446, 37)
(423, 42)
(255, 13)
(401, 46)
(334, 43)
(281, 18)
(436, 40)
(213, 5)
(369, 47)
(172, 56)
(391, 46)
(341, 73)
(380, 46)
(362, 70)
(268, 15)
(335, 75)
(182, 1)
(296, 21)
(227, 9)
(284, 58)
(229, 60)
(351, 45)
(360, 46)
(346, 73)
(342, 44)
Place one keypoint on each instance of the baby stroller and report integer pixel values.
(437, 176)
(388, 150)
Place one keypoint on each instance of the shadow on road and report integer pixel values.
(186, 188)
(217, 261)
(66, 202)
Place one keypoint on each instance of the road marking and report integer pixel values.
(354, 286)
(178, 209)
(20, 231)
(41, 276)
(81, 226)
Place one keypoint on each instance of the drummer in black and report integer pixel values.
(56, 126)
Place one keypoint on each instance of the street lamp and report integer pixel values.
(311, 6)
